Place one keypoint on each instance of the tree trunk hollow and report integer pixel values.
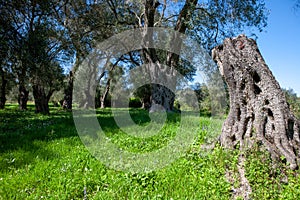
(259, 112)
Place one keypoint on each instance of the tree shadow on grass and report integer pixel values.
(139, 117)
(24, 133)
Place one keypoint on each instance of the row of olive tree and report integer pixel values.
(33, 51)
(208, 23)
(38, 38)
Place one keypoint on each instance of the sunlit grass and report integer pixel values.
(42, 157)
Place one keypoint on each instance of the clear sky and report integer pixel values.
(280, 43)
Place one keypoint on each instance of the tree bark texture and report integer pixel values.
(259, 112)
(3, 89)
(67, 102)
(105, 94)
(41, 100)
(23, 97)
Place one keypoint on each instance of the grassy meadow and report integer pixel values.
(42, 157)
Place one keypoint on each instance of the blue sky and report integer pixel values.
(280, 42)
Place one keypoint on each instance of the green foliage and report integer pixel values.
(177, 105)
(204, 99)
(135, 103)
(144, 92)
(57, 97)
(270, 180)
(218, 19)
(293, 101)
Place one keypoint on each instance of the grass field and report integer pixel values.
(42, 157)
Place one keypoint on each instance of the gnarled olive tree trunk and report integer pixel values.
(258, 108)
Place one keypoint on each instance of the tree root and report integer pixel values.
(244, 189)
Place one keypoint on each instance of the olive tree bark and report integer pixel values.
(259, 112)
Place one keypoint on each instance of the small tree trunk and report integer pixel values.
(67, 102)
(23, 97)
(259, 112)
(143, 105)
(88, 101)
(3, 90)
(104, 95)
(40, 99)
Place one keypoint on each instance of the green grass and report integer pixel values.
(42, 157)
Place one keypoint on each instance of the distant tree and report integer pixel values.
(144, 94)
(113, 74)
(38, 48)
(8, 40)
(293, 101)
(204, 99)
(201, 91)
(3, 88)
(112, 89)
(86, 23)
(46, 74)
(118, 87)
